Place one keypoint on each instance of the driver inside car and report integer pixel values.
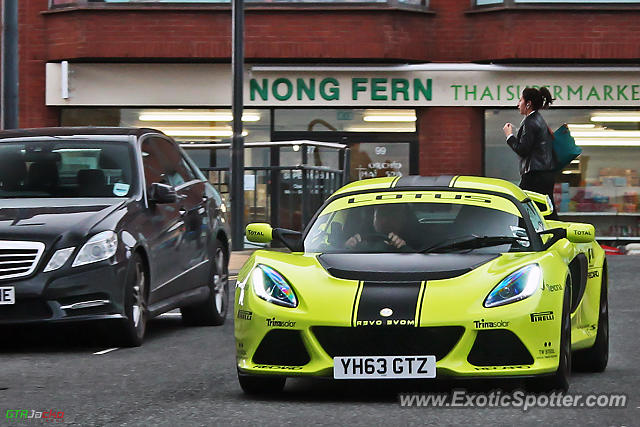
(389, 224)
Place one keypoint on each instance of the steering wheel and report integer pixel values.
(379, 241)
(374, 237)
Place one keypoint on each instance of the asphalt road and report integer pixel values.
(186, 376)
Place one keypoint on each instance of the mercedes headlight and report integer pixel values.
(271, 286)
(98, 248)
(517, 286)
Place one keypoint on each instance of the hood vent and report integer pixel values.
(401, 267)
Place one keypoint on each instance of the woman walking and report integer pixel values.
(533, 144)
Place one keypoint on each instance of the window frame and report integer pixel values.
(555, 5)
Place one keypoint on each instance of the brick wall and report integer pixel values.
(205, 33)
(32, 47)
(451, 140)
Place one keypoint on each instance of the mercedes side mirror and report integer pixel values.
(162, 193)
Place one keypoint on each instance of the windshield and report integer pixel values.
(419, 225)
(66, 169)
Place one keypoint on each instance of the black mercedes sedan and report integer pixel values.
(111, 224)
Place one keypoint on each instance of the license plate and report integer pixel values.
(364, 367)
(7, 295)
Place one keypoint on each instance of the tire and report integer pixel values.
(559, 381)
(256, 385)
(213, 311)
(132, 330)
(595, 359)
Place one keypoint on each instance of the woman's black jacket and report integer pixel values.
(533, 144)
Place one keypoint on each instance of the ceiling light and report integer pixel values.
(581, 125)
(204, 132)
(618, 117)
(184, 116)
(390, 118)
(607, 142)
(380, 129)
(389, 115)
(603, 133)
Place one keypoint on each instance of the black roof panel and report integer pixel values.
(80, 130)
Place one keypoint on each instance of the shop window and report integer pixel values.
(344, 120)
(185, 125)
(601, 186)
(373, 160)
(516, 3)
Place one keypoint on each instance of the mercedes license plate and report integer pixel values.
(7, 295)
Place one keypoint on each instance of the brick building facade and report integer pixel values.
(450, 136)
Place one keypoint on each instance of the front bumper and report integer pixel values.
(59, 296)
(498, 342)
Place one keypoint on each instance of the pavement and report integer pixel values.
(237, 260)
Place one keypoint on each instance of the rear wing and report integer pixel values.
(542, 201)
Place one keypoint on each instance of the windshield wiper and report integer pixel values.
(472, 241)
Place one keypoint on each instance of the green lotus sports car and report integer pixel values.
(424, 277)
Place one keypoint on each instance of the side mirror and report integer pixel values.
(556, 234)
(581, 233)
(260, 232)
(162, 193)
(575, 232)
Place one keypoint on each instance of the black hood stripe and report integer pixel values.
(423, 289)
(403, 298)
(354, 310)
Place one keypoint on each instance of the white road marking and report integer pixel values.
(106, 351)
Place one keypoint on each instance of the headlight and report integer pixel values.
(271, 286)
(58, 259)
(517, 286)
(98, 248)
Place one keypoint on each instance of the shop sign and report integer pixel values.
(200, 85)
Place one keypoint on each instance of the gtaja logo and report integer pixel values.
(26, 414)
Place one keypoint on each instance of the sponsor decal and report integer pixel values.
(280, 323)
(283, 367)
(592, 274)
(30, 414)
(542, 316)
(255, 233)
(244, 314)
(552, 288)
(547, 352)
(483, 324)
(240, 351)
(501, 368)
(449, 195)
(582, 233)
(390, 322)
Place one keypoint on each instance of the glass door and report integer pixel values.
(372, 155)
